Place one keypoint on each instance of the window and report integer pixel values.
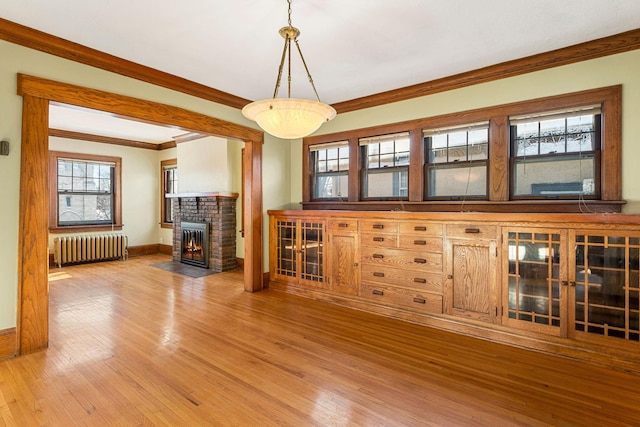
(330, 165)
(84, 191)
(456, 161)
(560, 154)
(385, 171)
(556, 155)
(169, 177)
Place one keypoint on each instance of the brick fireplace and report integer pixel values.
(218, 210)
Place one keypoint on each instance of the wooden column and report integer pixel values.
(33, 289)
(252, 196)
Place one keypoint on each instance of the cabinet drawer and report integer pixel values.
(420, 243)
(420, 228)
(379, 240)
(403, 298)
(478, 231)
(378, 226)
(412, 260)
(417, 279)
(342, 224)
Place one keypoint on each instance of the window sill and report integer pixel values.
(519, 206)
(84, 228)
(166, 225)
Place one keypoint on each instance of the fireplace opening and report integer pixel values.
(195, 244)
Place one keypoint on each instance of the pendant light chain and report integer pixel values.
(290, 32)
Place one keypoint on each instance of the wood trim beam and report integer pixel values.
(33, 288)
(60, 133)
(152, 112)
(38, 40)
(253, 217)
(619, 43)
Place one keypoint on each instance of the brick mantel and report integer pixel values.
(219, 211)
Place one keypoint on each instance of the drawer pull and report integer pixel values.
(419, 280)
(420, 228)
(377, 292)
(472, 230)
(343, 225)
(378, 239)
(420, 260)
(378, 226)
(378, 256)
(420, 300)
(377, 274)
(420, 242)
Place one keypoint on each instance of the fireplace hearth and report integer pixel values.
(195, 244)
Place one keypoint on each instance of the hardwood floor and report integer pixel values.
(133, 345)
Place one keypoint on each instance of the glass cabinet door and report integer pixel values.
(607, 286)
(535, 272)
(286, 248)
(311, 251)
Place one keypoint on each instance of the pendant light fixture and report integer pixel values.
(289, 118)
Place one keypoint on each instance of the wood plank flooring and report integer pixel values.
(133, 345)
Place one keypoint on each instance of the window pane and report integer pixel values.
(374, 162)
(79, 170)
(552, 144)
(65, 167)
(332, 153)
(387, 184)
(64, 183)
(479, 151)
(457, 139)
(387, 147)
(555, 176)
(581, 142)
(386, 160)
(79, 184)
(552, 127)
(580, 124)
(321, 166)
(526, 147)
(458, 154)
(79, 208)
(93, 185)
(332, 165)
(527, 130)
(463, 180)
(331, 186)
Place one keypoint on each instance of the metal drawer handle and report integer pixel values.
(343, 225)
(419, 280)
(378, 256)
(377, 292)
(420, 242)
(420, 300)
(472, 230)
(377, 274)
(420, 260)
(378, 239)
(378, 226)
(420, 228)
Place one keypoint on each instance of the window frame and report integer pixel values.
(499, 179)
(595, 152)
(365, 171)
(116, 215)
(164, 166)
(313, 152)
(455, 164)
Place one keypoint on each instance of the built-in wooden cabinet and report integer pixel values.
(298, 251)
(343, 271)
(566, 283)
(472, 287)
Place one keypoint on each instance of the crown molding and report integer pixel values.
(605, 46)
(38, 40)
(34, 39)
(61, 133)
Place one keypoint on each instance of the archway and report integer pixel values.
(33, 294)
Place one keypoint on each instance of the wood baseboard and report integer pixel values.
(143, 250)
(266, 278)
(165, 249)
(7, 343)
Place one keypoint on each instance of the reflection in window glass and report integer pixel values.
(386, 166)
(456, 161)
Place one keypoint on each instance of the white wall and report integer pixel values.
(203, 165)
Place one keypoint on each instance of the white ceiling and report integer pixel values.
(353, 48)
